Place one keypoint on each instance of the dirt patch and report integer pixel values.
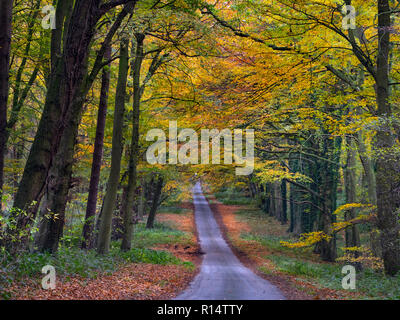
(186, 223)
(182, 222)
(184, 252)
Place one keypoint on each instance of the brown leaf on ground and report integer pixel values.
(132, 282)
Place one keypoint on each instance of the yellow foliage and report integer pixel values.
(363, 256)
(307, 240)
(349, 206)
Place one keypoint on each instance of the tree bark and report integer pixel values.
(59, 182)
(6, 7)
(104, 237)
(154, 205)
(368, 166)
(134, 148)
(277, 195)
(387, 164)
(284, 202)
(142, 203)
(87, 232)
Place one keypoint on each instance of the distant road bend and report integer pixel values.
(222, 276)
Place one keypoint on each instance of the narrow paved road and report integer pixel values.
(222, 276)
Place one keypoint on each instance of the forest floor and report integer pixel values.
(174, 234)
(166, 259)
(298, 273)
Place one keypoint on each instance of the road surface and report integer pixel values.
(222, 276)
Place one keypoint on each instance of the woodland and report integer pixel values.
(83, 81)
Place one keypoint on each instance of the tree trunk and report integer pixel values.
(59, 182)
(277, 194)
(351, 233)
(328, 190)
(284, 202)
(104, 237)
(369, 169)
(296, 196)
(387, 164)
(117, 224)
(6, 7)
(141, 208)
(154, 205)
(59, 177)
(134, 148)
(87, 232)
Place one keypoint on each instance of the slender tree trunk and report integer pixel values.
(266, 199)
(104, 237)
(6, 7)
(19, 153)
(271, 195)
(351, 233)
(284, 202)
(369, 169)
(117, 224)
(154, 205)
(250, 186)
(328, 186)
(277, 195)
(97, 156)
(388, 164)
(134, 148)
(141, 208)
(293, 164)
